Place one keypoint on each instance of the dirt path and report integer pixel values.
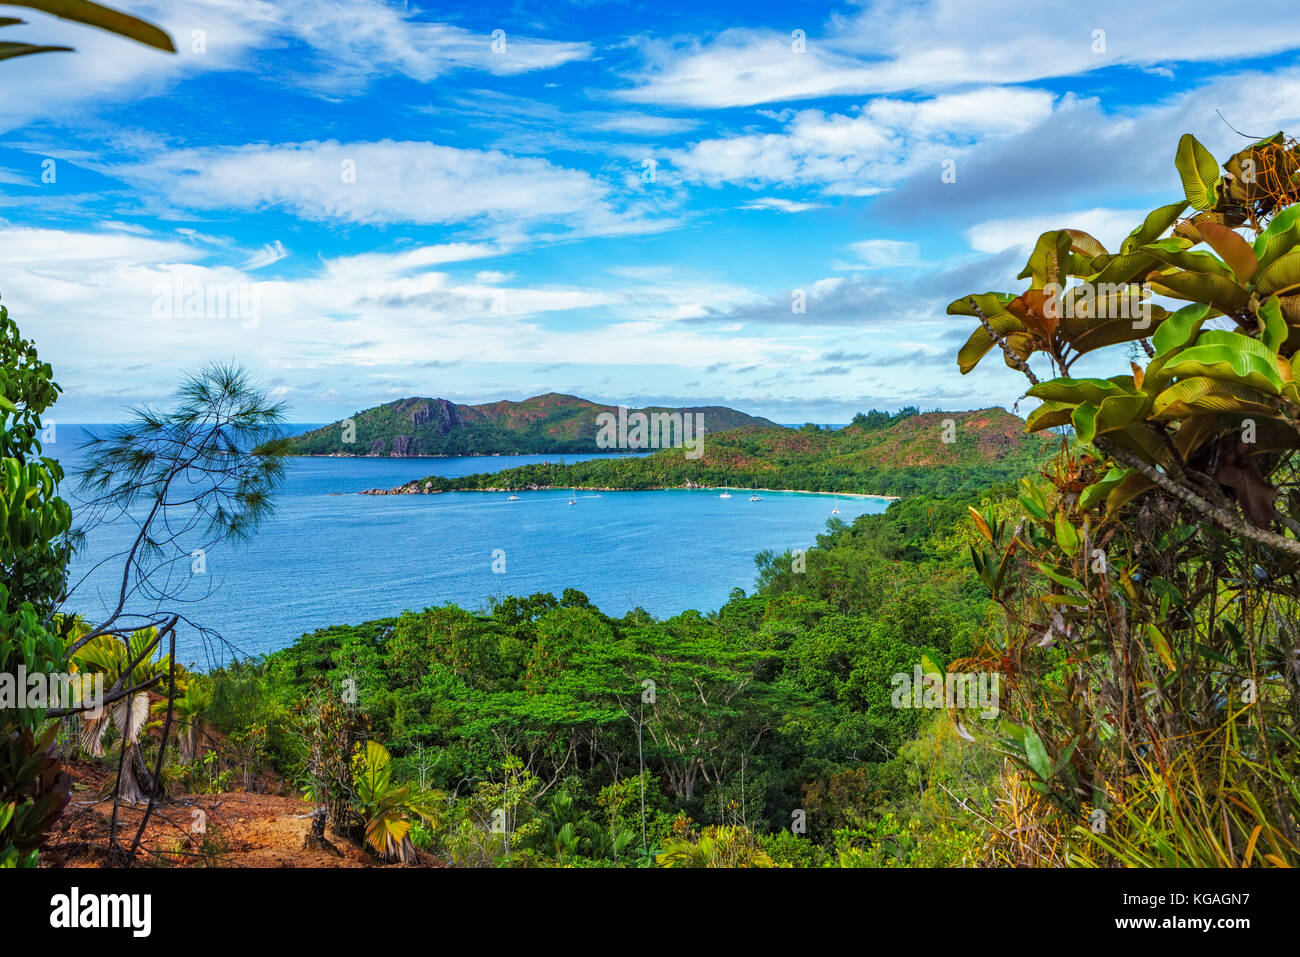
(230, 829)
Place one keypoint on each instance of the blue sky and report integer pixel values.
(615, 200)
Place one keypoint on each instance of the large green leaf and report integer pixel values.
(1050, 261)
(1180, 328)
(1049, 415)
(1198, 170)
(1123, 493)
(1282, 277)
(1037, 755)
(1085, 243)
(1075, 391)
(980, 342)
(1281, 236)
(1192, 260)
(989, 303)
(1274, 323)
(1204, 394)
(1221, 293)
(1153, 227)
(1235, 360)
(1238, 341)
(1098, 491)
(1125, 268)
(1067, 536)
(1111, 414)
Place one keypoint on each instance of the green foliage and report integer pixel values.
(34, 521)
(1218, 405)
(34, 549)
(905, 454)
(1149, 592)
(132, 662)
(776, 702)
(386, 808)
(721, 846)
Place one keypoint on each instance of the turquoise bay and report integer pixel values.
(331, 556)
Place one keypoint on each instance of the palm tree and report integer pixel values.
(718, 846)
(114, 659)
(386, 808)
(188, 709)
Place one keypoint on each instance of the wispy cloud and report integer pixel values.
(894, 46)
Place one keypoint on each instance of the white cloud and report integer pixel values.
(863, 153)
(110, 312)
(361, 39)
(782, 205)
(885, 252)
(641, 124)
(895, 46)
(378, 183)
(353, 42)
(391, 265)
(268, 255)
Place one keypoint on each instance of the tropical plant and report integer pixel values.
(386, 808)
(188, 709)
(1148, 645)
(133, 664)
(719, 846)
(1214, 407)
(34, 549)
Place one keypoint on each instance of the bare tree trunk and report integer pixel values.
(156, 783)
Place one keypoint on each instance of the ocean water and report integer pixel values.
(331, 556)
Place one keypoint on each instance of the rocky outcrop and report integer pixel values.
(441, 413)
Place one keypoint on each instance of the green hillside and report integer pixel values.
(550, 423)
(901, 454)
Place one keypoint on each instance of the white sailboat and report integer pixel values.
(513, 498)
(573, 496)
(835, 510)
(754, 497)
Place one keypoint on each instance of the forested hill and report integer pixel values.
(550, 423)
(905, 453)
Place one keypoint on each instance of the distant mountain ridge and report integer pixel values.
(545, 424)
(904, 453)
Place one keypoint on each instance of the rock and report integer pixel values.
(440, 413)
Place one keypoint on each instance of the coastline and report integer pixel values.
(464, 455)
(406, 490)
